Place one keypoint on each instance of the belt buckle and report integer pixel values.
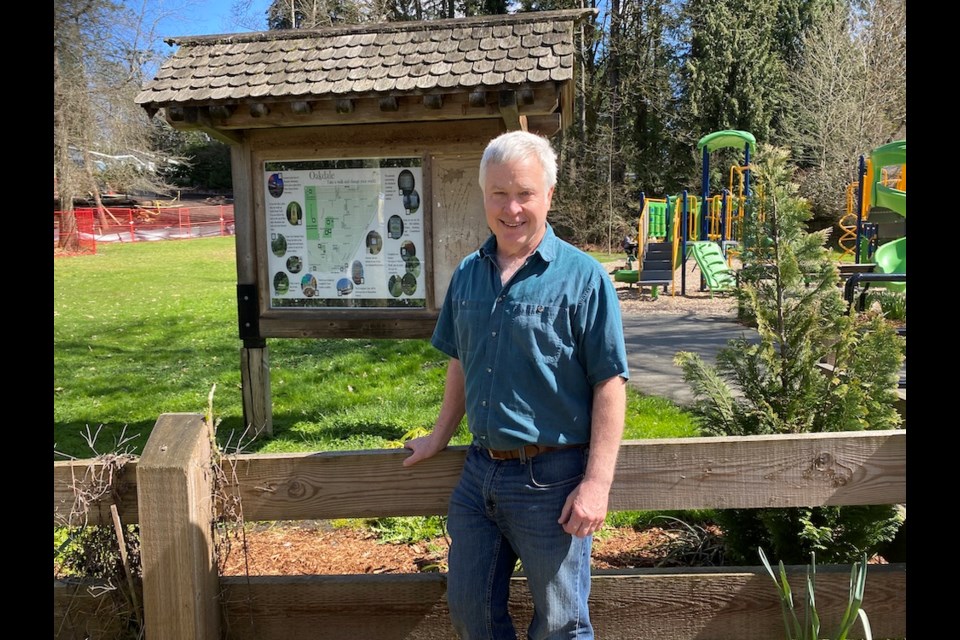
(496, 455)
(507, 454)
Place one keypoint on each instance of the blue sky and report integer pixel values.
(209, 17)
(204, 17)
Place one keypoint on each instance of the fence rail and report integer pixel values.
(167, 491)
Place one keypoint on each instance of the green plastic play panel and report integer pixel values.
(891, 198)
(888, 155)
(657, 221)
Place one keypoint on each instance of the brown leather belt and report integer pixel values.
(528, 451)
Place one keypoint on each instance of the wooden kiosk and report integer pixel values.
(355, 154)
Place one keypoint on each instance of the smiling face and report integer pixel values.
(516, 200)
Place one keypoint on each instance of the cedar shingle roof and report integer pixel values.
(369, 60)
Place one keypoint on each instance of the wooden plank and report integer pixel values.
(393, 139)
(427, 205)
(78, 475)
(735, 603)
(409, 108)
(865, 467)
(333, 485)
(90, 609)
(175, 489)
(459, 222)
(344, 607)
(810, 469)
(331, 324)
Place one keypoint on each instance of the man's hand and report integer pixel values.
(586, 506)
(451, 413)
(585, 509)
(423, 447)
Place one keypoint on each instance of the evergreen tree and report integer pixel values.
(734, 76)
(789, 288)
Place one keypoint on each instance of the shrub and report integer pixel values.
(789, 287)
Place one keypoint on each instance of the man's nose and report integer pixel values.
(513, 206)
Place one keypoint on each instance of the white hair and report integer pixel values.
(520, 145)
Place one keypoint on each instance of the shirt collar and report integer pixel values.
(547, 247)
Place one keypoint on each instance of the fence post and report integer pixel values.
(133, 236)
(222, 226)
(174, 492)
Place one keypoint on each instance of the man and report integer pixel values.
(538, 365)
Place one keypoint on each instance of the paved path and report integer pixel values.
(653, 340)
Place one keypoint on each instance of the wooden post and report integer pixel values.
(175, 496)
(254, 357)
(255, 383)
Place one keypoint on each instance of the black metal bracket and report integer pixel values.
(248, 312)
(850, 287)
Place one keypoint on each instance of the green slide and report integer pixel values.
(892, 258)
(713, 265)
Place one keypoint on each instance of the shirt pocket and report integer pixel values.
(539, 332)
(471, 321)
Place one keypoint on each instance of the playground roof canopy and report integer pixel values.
(727, 138)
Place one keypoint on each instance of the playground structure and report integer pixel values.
(708, 228)
(876, 211)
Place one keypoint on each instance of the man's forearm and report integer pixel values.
(606, 430)
(453, 407)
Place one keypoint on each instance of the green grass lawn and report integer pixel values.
(603, 256)
(148, 328)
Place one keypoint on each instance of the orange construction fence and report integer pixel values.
(146, 224)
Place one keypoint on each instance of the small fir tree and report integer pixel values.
(789, 287)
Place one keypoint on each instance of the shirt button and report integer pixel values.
(489, 370)
(494, 334)
(483, 403)
(540, 309)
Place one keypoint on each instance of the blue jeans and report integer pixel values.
(502, 510)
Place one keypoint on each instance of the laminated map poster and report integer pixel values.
(345, 233)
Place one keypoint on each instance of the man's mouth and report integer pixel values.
(512, 225)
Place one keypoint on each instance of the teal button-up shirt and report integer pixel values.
(532, 349)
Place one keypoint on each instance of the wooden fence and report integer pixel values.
(168, 492)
